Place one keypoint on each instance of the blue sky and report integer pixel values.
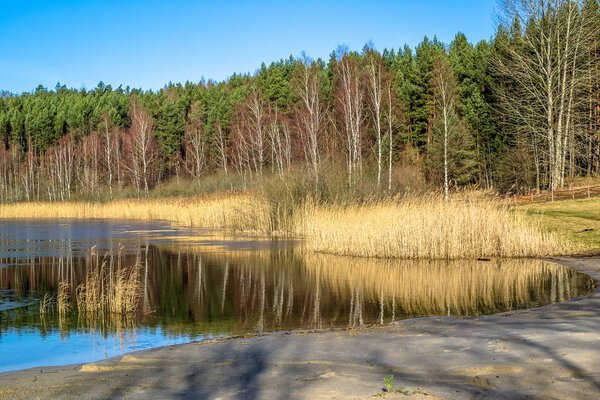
(147, 43)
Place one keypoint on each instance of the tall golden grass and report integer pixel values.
(108, 292)
(106, 300)
(426, 227)
(468, 226)
(63, 299)
(46, 304)
(239, 212)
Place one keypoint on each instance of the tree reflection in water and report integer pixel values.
(192, 291)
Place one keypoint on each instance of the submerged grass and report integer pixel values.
(107, 292)
(63, 299)
(106, 299)
(46, 304)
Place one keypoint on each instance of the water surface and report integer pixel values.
(198, 284)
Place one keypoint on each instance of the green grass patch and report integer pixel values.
(577, 221)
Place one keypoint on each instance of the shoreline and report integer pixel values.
(427, 227)
(542, 352)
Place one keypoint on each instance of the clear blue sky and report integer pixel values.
(147, 43)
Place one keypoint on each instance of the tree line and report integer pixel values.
(516, 113)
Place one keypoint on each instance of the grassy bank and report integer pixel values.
(421, 227)
(573, 221)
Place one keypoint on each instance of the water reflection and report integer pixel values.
(185, 291)
(195, 285)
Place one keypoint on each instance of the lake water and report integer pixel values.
(199, 284)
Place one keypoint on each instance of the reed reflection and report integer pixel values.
(194, 292)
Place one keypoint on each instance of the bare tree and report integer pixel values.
(390, 121)
(311, 112)
(375, 72)
(141, 146)
(351, 101)
(276, 143)
(88, 169)
(195, 141)
(222, 147)
(107, 130)
(545, 61)
(15, 158)
(242, 148)
(445, 96)
(256, 128)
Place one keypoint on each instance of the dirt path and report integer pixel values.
(551, 352)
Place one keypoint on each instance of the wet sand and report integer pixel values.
(551, 352)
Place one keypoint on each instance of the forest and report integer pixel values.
(517, 113)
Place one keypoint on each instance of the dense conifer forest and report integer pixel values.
(517, 113)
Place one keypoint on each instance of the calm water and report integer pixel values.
(201, 284)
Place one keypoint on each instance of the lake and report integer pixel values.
(201, 284)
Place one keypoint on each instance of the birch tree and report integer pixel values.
(546, 63)
(390, 127)
(88, 165)
(279, 142)
(352, 104)
(222, 147)
(142, 146)
(375, 72)
(311, 113)
(256, 128)
(445, 95)
(106, 129)
(195, 143)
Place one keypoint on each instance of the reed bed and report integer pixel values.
(239, 212)
(425, 228)
(470, 225)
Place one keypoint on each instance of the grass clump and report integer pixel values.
(388, 383)
(108, 292)
(46, 304)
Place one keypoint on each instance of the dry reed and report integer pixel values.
(63, 299)
(425, 228)
(107, 292)
(46, 304)
(240, 212)
(418, 228)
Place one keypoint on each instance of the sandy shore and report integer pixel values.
(552, 352)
